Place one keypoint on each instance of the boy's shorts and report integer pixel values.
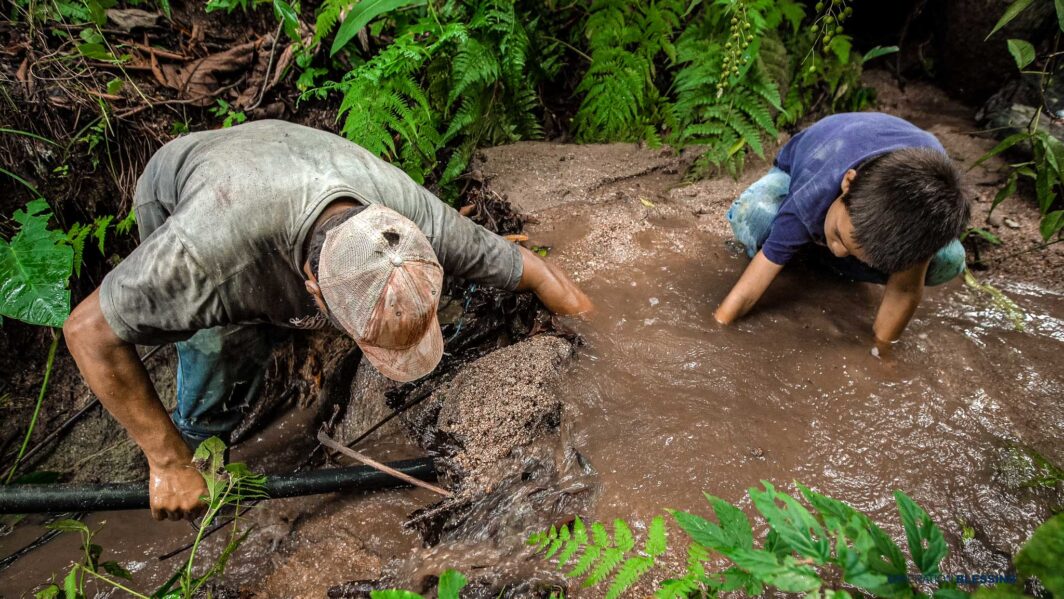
(751, 217)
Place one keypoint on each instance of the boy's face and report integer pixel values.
(838, 227)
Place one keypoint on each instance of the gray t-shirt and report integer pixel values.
(223, 216)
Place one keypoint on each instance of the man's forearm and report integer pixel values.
(553, 287)
(115, 373)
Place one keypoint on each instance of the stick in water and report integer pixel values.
(351, 453)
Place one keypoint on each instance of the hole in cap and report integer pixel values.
(391, 237)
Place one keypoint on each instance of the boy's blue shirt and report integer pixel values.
(816, 160)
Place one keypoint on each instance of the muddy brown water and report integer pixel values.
(670, 404)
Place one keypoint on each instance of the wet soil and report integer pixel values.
(659, 404)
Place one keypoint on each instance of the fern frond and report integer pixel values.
(633, 568)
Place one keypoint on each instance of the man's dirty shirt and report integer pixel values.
(223, 216)
(818, 158)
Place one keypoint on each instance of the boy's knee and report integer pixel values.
(751, 215)
(947, 264)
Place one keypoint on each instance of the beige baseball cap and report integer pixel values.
(381, 280)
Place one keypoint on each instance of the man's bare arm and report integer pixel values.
(552, 286)
(750, 287)
(116, 375)
(902, 295)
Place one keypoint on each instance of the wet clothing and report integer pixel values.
(752, 218)
(816, 160)
(223, 216)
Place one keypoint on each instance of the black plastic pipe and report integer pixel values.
(34, 499)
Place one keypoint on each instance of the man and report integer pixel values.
(264, 224)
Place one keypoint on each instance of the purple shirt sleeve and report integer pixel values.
(787, 236)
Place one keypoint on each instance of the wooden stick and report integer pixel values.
(351, 453)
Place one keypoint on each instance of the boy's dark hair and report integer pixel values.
(317, 238)
(905, 206)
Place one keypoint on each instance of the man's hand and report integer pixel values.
(552, 286)
(175, 491)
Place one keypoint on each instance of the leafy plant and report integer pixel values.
(230, 117)
(1047, 152)
(599, 555)
(34, 268)
(822, 547)
(227, 485)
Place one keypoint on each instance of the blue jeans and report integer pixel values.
(751, 217)
(220, 372)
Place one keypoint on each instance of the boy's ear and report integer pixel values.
(848, 178)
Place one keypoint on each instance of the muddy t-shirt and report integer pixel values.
(223, 216)
(818, 158)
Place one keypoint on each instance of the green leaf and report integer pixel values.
(1022, 52)
(878, 51)
(288, 17)
(70, 584)
(34, 269)
(1060, 13)
(703, 531)
(1010, 13)
(926, 543)
(68, 525)
(1005, 144)
(795, 525)
(841, 45)
(1043, 189)
(393, 594)
(1052, 224)
(115, 569)
(950, 594)
(49, 592)
(787, 576)
(733, 521)
(362, 14)
(451, 582)
(115, 85)
(980, 232)
(874, 545)
(656, 542)
(1005, 192)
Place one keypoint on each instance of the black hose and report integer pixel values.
(32, 499)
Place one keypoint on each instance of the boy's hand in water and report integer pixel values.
(884, 350)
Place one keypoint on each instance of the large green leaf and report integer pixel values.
(34, 269)
(1011, 13)
(1052, 224)
(926, 543)
(1043, 555)
(794, 524)
(1022, 52)
(361, 15)
(451, 581)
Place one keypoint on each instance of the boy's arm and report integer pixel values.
(752, 284)
(903, 293)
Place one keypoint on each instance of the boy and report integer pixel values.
(881, 198)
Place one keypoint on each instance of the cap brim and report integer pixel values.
(412, 363)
